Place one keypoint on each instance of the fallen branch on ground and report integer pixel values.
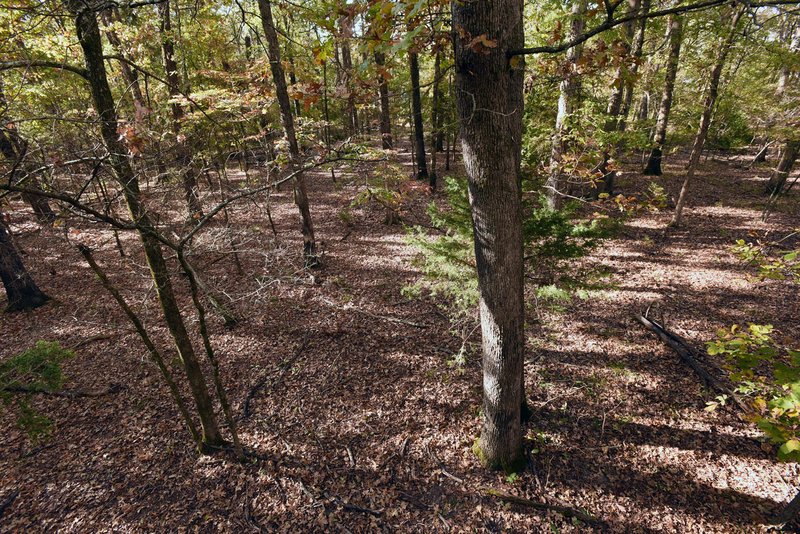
(686, 352)
(258, 386)
(566, 511)
(92, 339)
(8, 501)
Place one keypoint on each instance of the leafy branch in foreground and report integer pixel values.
(553, 240)
(772, 262)
(770, 374)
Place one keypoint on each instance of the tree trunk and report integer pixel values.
(346, 29)
(131, 76)
(383, 88)
(91, 43)
(300, 193)
(615, 103)
(14, 148)
(416, 110)
(636, 54)
(184, 152)
(325, 109)
(708, 111)
(675, 31)
(569, 89)
(437, 72)
(779, 176)
(489, 97)
(21, 290)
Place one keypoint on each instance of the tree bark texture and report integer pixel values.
(675, 30)
(569, 91)
(615, 101)
(14, 148)
(416, 111)
(383, 89)
(184, 152)
(278, 77)
(636, 55)
(489, 98)
(21, 291)
(90, 41)
(780, 174)
(708, 111)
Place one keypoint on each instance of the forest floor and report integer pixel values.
(366, 422)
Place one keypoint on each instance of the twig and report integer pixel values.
(70, 394)
(258, 386)
(566, 511)
(441, 466)
(354, 508)
(98, 337)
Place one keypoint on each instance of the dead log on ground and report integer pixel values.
(687, 354)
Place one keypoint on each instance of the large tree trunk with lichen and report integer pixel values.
(489, 97)
(781, 173)
(383, 89)
(569, 90)
(278, 77)
(416, 111)
(21, 291)
(183, 150)
(89, 37)
(675, 36)
(708, 111)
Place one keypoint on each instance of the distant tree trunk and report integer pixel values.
(489, 96)
(300, 193)
(290, 57)
(615, 103)
(14, 148)
(416, 110)
(92, 45)
(131, 76)
(779, 176)
(636, 54)
(761, 156)
(248, 48)
(569, 89)
(644, 107)
(346, 29)
(708, 111)
(21, 290)
(675, 33)
(184, 152)
(325, 110)
(437, 72)
(383, 88)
